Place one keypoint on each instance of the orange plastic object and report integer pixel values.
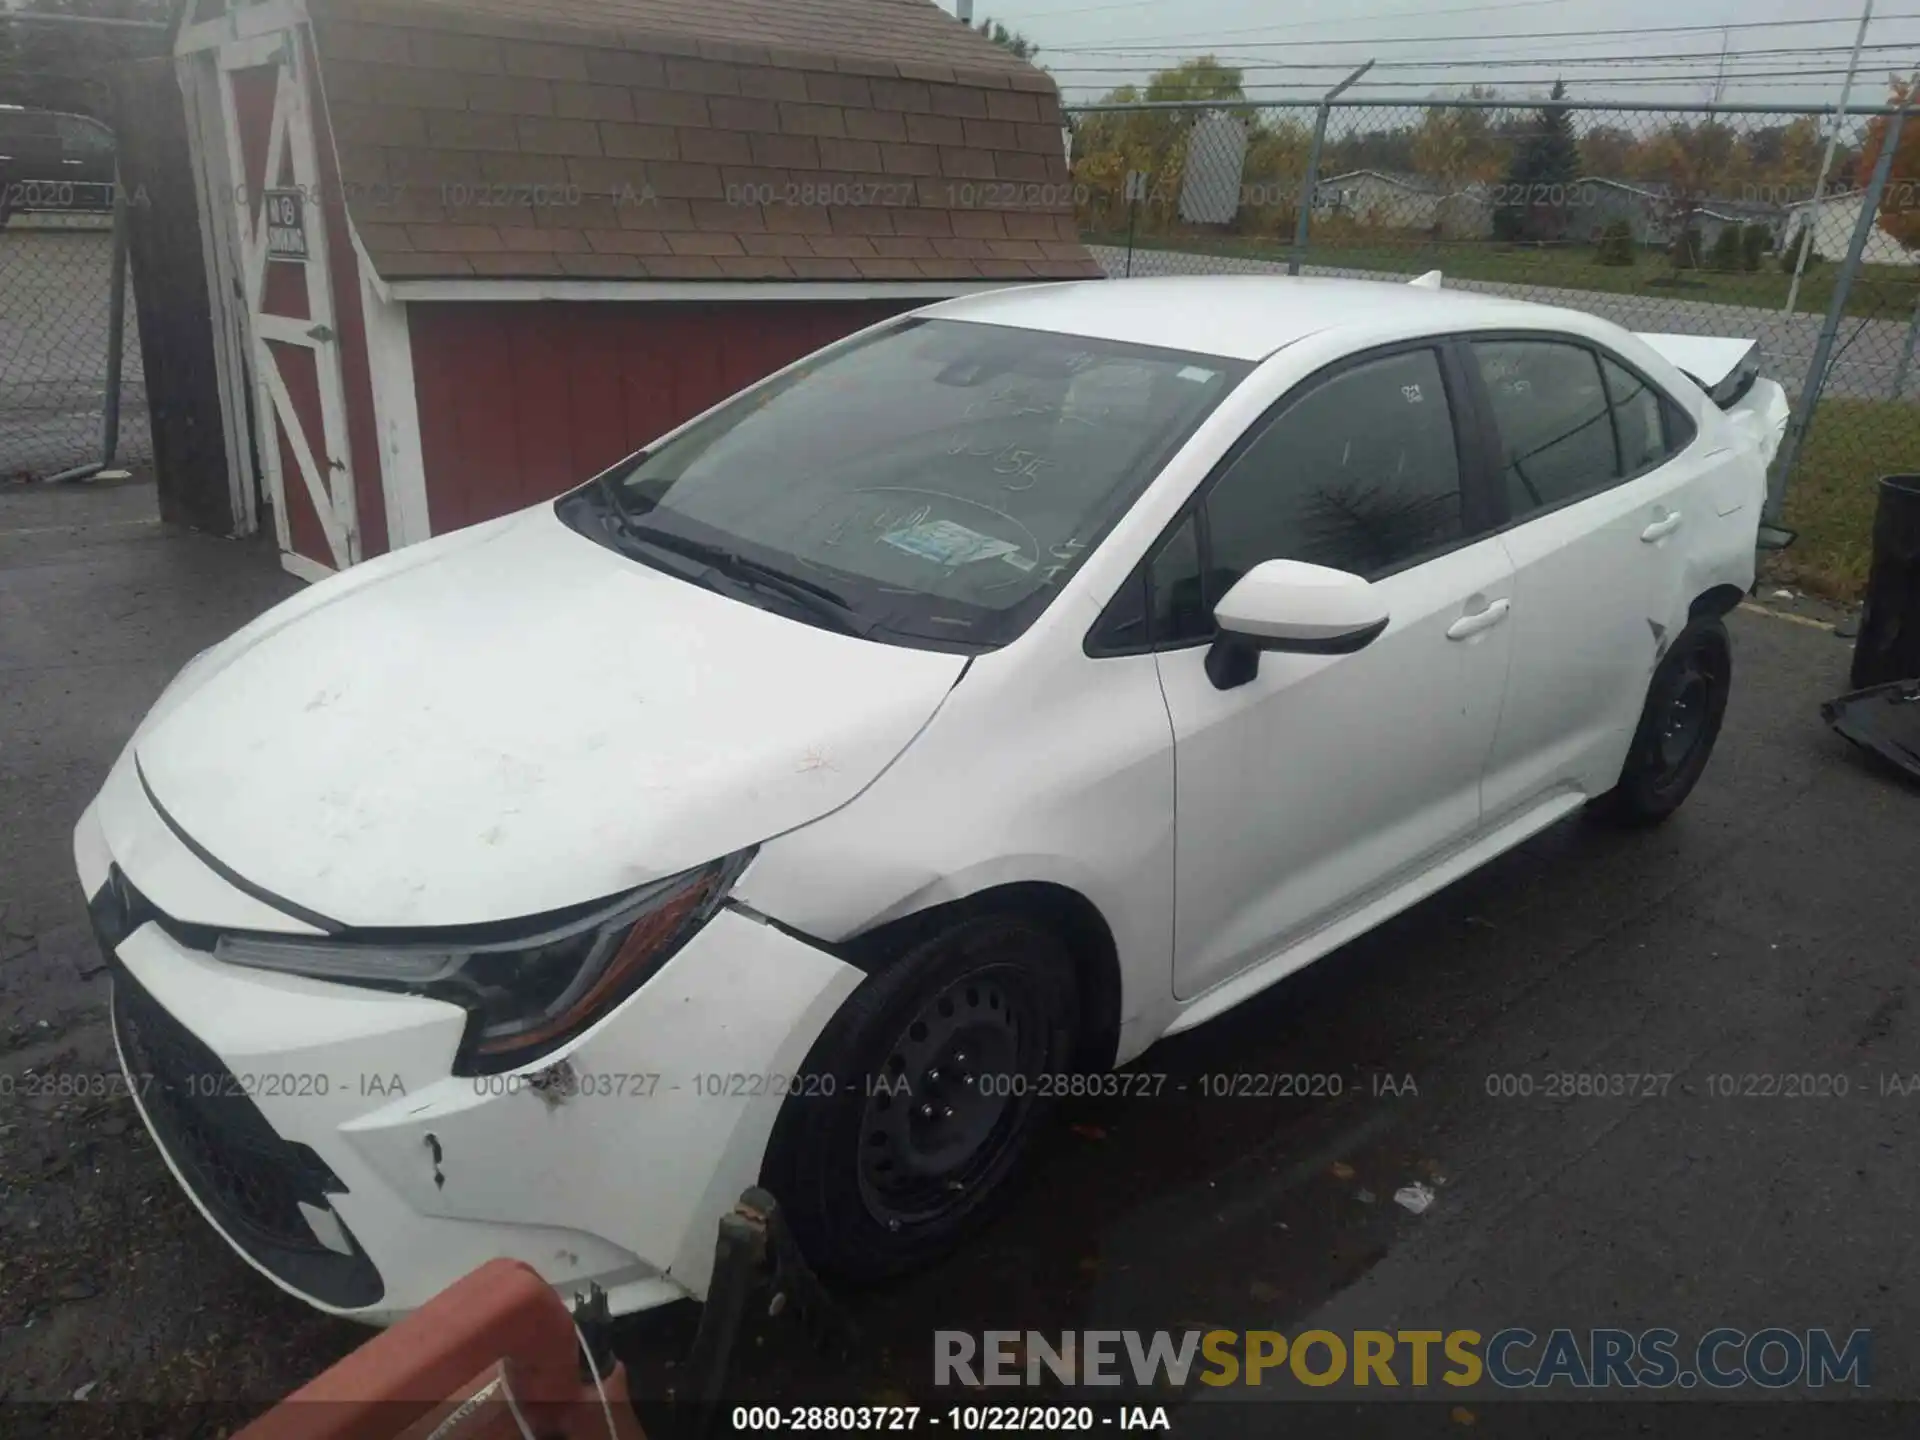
(494, 1357)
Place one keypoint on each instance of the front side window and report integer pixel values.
(1556, 432)
(1180, 607)
(1359, 474)
(937, 481)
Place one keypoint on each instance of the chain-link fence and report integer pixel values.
(1729, 221)
(72, 394)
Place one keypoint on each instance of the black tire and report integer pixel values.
(933, 1060)
(1686, 702)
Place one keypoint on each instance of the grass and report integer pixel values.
(1834, 490)
(1881, 291)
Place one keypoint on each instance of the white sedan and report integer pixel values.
(969, 705)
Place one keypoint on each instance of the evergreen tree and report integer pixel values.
(1545, 165)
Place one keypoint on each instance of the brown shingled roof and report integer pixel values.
(694, 139)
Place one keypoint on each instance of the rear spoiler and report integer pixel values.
(1729, 371)
(1725, 369)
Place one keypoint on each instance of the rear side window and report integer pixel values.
(1554, 421)
(1636, 419)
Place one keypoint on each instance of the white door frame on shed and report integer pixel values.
(214, 186)
(324, 469)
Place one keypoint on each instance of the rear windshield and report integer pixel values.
(940, 478)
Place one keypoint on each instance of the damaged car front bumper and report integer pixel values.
(321, 1129)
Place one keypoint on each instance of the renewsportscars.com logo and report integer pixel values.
(1512, 1359)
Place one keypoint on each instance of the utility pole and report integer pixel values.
(1826, 162)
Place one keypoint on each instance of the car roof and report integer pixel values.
(1244, 317)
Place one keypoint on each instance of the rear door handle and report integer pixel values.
(1469, 625)
(1660, 529)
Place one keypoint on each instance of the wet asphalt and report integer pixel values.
(1768, 931)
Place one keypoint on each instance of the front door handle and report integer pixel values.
(1660, 529)
(1469, 625)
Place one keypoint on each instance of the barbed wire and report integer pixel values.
(1190, 43)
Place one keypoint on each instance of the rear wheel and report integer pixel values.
(936, 1062)
(1678, 726)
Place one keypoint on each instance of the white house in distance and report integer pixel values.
(1407, 202)
(1833, 219)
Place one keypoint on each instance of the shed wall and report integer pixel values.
(520, 400)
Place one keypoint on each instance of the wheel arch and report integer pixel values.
(1716, 602)
(1061, 908)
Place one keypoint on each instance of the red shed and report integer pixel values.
(464, 255)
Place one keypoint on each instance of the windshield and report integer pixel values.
(937, 480)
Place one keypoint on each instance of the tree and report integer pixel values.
(1725, 252)
(1007, 39)
(1201, 78)
(1616, 244)
(1606, 150)
(1899, 214)
(1454, 147)
(1790, 252)
(1546, 163)
(1108, 146)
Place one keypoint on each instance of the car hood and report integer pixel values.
(512, 720)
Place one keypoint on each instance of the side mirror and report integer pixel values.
(1291, 606)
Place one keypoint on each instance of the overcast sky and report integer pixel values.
(1500, 42)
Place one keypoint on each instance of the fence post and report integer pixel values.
(1836, 311)
(1826, 164)
(1136, 192)
(116, 325)
(1310, 181)
(1906, 353)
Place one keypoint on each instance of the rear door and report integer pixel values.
(1329, 778)
(1600, 490)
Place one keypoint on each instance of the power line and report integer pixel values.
(1305, 24)
(1794, 76)
(1547, 77)
(1193, 44)
(1255, 62)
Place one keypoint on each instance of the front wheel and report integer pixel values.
(1685, 704)
(939, 1064)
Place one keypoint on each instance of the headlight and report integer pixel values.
(526, 992)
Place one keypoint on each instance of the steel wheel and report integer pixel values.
(1678, 726)
(937, 1058)
(940, 1112)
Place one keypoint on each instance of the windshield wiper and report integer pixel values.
(815, 599)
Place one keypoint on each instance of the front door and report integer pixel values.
(1327, 780)
(300, 410)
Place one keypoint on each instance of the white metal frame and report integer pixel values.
(212, 182)
(396, 411)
